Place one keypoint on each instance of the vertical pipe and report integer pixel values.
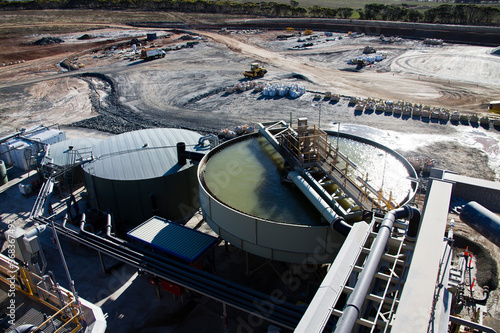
(319, 120)
(108, 231)
(157, 287)
(181, 148)
(70, 281)
(224, 318)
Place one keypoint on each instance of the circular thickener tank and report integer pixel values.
(245, 199)
(135, 176)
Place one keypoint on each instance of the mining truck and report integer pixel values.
(152, 53)
(255, 71)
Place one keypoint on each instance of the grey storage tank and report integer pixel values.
(62, 155)
(135, 176)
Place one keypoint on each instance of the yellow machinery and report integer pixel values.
(63, 312)
(494, 107)
(255, 71)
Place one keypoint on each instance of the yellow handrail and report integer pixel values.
(319, 149)
(31, 291)
(23, 275)
(26, 280)
(57, 313)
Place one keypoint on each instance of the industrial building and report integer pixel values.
(23, 148)
(135, 175)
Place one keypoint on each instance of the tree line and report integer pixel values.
(470, 14)
(444, 14)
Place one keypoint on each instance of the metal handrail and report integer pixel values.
(324, 152)
(29, 284)
(77, 314)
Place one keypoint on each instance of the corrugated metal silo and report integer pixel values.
(63, 153)
(135, 175)
(67, 153)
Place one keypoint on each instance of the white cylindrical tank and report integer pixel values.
(233, 178)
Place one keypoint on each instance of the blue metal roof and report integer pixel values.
(173, 238)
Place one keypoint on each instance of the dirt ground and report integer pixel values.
(187, 88)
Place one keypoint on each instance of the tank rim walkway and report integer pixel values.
(307, 147)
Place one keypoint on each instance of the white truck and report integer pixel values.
(152, 53)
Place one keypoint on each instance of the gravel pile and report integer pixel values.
(185, 37)
(108, 123)
(85, 37)
(47, 41)
(134, 41)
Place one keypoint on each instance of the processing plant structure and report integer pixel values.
(287, 194)
(306, 160)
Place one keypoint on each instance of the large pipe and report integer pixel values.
(4, 179)
(482, 220)
(324, 194)
(321, 205)
(183, 155)
(204, 283)
(358, 296)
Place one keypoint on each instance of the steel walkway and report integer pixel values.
(309, 147)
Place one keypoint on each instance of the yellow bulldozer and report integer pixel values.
(255, 71)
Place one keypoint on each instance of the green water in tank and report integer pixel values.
(247, 177)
